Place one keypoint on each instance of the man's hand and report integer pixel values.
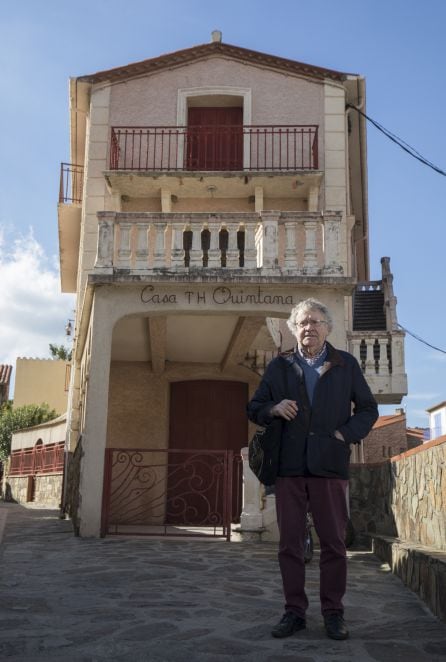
(286, 409)
(339, 435)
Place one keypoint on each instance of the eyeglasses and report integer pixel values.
(303, 323)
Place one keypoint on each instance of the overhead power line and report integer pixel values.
(421, 340)
(400, 142)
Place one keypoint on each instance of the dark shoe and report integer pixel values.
(288, 625)
(335, 626)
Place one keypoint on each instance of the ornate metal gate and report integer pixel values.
(171, 492)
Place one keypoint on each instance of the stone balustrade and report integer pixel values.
(297, 243)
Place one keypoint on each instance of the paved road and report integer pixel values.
(143, 599)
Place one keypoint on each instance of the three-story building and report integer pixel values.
(209, 191)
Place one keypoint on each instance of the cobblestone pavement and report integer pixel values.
(137, 599)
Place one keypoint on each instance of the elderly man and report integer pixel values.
(312, 389)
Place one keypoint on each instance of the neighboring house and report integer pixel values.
(42, 380)
(36, 463)
(209, 191)
(389, 437)
(5, 379)
(437, 420)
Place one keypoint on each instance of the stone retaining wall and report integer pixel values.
(404, 497)
(47, 490)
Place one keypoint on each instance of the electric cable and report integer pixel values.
(421, 339)
(399, 141)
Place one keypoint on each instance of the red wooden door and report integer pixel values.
(215, 139)
(205, 415)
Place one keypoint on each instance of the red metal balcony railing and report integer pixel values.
(38, 460)
(71, 183)
(214, 148)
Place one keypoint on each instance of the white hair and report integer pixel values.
(304, 306)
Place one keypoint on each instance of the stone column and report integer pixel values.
(251, 517)
(94, 434)
(332, 244)
(383, 369)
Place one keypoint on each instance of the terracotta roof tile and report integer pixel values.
(388, 420)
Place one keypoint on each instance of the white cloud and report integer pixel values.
(33, 312)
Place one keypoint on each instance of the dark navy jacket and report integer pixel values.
(308, 445)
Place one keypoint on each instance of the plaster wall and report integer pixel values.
(41, 380)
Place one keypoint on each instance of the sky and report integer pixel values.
(398, 45)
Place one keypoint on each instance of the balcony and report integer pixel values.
(69, 222)
(376, 340)
(270, 243)
(214, 148)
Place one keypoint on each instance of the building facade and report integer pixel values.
(209, 191)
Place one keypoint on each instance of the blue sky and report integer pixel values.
(397, 44)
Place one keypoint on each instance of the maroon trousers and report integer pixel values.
(327, 501)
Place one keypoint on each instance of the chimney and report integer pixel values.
(216, 35)
(399, 411)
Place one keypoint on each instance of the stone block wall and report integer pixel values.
(47, 489)
(404, 497)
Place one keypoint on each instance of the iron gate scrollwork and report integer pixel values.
(171, 492)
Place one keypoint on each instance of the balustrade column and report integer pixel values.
(142, 246)
(370, 359)
(125, 245)
(310, 252)
(355, 348)
(177, 250)
(214, 252)
(159, 256)
(383, 368)
(268, 240)
(232, 253)
(250, 246)
(105, 247)
(196, 251)
(290, 245)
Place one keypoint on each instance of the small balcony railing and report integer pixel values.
(214, 148)
(38, 460)
(71, 183)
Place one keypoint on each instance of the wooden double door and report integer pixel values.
(215, 139)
